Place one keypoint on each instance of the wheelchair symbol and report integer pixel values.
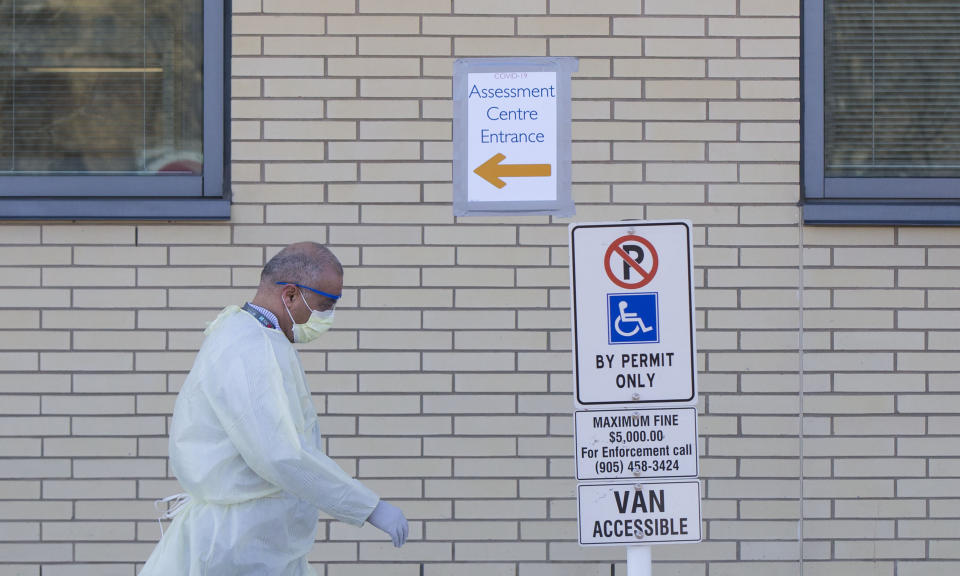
(632, 318)
(627, 317)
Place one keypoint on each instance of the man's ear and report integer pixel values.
(289, 292)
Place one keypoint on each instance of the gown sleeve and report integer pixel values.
(245, 389)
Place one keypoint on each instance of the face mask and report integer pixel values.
(319, 322)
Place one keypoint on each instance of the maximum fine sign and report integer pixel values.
(633, 332)
(658, 443)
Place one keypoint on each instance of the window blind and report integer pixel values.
(101, 86)
(891, 88)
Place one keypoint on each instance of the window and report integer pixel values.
(881, 111)
(112, 109)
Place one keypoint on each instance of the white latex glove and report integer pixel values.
(391, 520)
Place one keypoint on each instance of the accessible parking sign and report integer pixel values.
(633, 318)
(635, 382)
(632, 291)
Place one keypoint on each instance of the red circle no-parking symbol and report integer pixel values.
(631, 262)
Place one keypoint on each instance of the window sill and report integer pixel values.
(114, 208)
(881, 213)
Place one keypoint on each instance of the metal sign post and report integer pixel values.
(638, 561)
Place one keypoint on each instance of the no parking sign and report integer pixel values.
(632, 291)
(639, 261)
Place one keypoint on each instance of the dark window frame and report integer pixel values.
(857, 200)
(160, 197)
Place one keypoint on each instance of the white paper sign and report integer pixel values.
(512, 136)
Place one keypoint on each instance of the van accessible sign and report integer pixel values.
(639, 513)
(512, 136)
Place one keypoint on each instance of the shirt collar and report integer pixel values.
(270, 315)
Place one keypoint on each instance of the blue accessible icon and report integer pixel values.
(633, 318)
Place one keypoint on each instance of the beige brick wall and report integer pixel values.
(446, 385)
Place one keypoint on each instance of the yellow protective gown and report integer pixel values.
(245, 446)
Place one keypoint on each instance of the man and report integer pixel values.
(244, 441)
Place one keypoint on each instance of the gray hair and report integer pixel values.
(301, 263)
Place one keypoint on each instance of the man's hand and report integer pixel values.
(391, 520)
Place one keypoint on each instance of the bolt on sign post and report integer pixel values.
(511, 136)
(635, 386)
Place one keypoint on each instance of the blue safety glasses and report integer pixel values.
(331, 296)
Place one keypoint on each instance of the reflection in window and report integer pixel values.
(101, 86)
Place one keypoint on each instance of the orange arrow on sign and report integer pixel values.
(492, 170)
